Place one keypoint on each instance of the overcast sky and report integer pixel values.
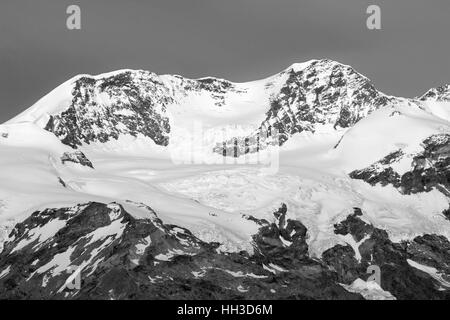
(238, 40)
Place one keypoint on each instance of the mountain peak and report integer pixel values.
(320, 64)
(441, 93)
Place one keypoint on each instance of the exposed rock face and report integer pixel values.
(325, 92)
(127, 103)
(76, 157)
(282, 242)
(429, 168)
(218, 88)
(399, 274)
(121, 257)
(446, 213)
(441, 93)
(431, 250)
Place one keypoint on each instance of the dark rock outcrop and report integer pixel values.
(76, 157)
(398, 276)
(135, 107)
(282, 242)
(430, 168)
(121, 257)
(441, 93)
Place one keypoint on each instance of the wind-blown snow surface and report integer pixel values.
(190, 186)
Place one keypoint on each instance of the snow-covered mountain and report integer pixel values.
(159, 186)
(441, 93)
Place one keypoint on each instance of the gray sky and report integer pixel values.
(238, 40)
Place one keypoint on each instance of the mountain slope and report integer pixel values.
(316, 94)
(120, 257)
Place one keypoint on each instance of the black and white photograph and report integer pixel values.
(212, 150)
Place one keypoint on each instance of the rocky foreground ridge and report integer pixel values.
(121, 257)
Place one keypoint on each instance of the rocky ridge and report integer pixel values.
(121, 257)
